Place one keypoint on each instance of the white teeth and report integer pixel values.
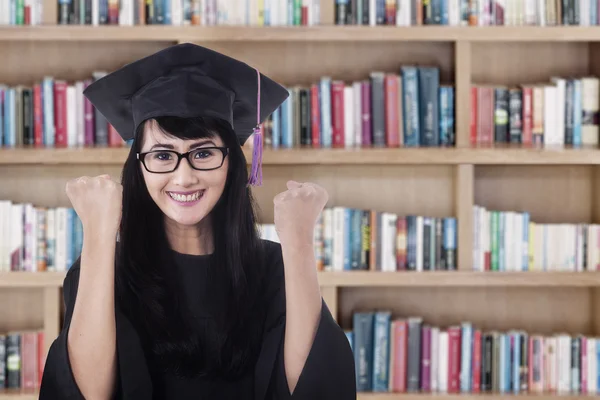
(186, 198)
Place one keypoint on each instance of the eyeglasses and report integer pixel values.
(201, 159)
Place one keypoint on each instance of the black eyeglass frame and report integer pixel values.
(186, 155)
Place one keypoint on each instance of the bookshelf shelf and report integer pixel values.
(460, 279)
(322, 33)
(8, 394)
(351, 156)
(31, 279)
(456, 279)
(461, 396)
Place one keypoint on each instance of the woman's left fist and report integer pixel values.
(297, 210)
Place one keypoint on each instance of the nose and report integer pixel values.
(185, 175)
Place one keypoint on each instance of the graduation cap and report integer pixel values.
(187, 80)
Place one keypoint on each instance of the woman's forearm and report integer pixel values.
(92, 332)
(303, 307)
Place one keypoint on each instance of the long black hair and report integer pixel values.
(145, 282)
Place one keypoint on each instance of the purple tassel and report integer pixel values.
(256, 173)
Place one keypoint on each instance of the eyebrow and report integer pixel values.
(194, 145)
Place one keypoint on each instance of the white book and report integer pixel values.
(419, 242)
(349, 113)
(61, 239)
(72, 111)
(443, 362)
(327, 237)
(80, 114)
(51, 239)
(357, 100)
(561, 88)
(550, 117)
(16, 237)
(589, 102)
(338, 239)
(592, 366)
(390, 240)
(4, 234)
(564, 364)
(435, 357)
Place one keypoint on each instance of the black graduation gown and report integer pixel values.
(328, 373)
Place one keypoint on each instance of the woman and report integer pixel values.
(190, 303)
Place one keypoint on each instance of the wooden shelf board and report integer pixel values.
(467, 396)
(18, 394)
(349, 156)
(31, 279)
(322, 33)
(381, 279)
(459, 279)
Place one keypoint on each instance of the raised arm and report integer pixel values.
(81, 362)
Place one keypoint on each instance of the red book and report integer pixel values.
(401, 243)
(527, 117)
(476, 366)
(38, 116)
(584, 366)
(454, 357)
(426, 358)
(399, 356)
(114, 140)
(29, 360)
(41, 354)
(473, 125)
(60, 113)
(337, 113)
(391, 110)
(315, 115)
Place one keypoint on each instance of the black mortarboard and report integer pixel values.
(187, 80)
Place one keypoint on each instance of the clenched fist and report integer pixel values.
(97, 201)
(296, 212)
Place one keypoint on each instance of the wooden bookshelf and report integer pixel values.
(554, 185)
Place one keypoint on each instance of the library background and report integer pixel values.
(457, 139)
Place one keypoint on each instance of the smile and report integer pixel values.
(186, 198)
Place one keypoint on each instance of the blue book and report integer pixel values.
(466, 357)
(276, 128)
(326, 128)
(363, 328)
(410, 106)
(381, 351)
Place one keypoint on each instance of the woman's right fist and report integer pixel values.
(97, 201)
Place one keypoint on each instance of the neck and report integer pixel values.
(193, 240)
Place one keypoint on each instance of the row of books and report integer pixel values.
(351, 239)
(406, 109)
(466, 12)
(35, 238)
(166, 12)
(561, 112)
(22, 359)
(190, 12)
(408, 354)
(510, 241)
(53, 113)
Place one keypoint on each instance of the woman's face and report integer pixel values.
(186, 196)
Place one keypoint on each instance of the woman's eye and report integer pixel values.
(203, 154)
(162, 156)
